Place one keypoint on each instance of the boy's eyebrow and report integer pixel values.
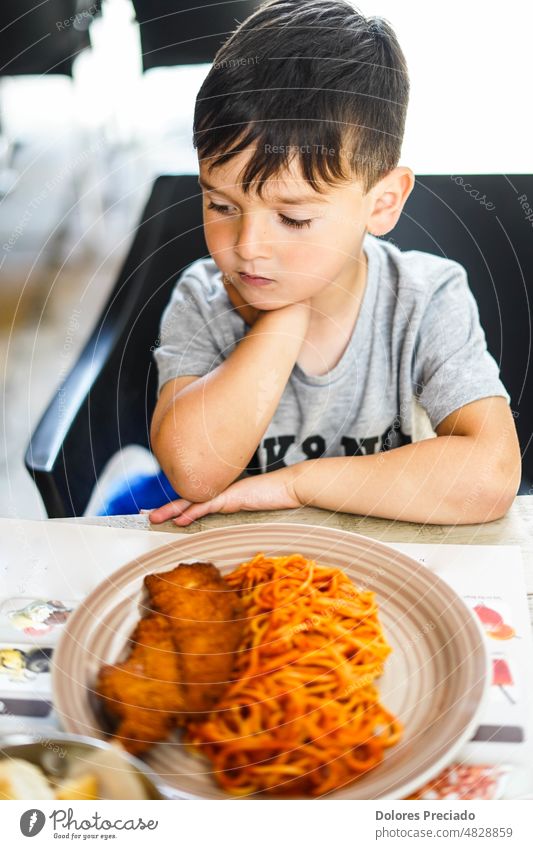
(294, 201)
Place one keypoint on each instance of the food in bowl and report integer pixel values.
(74, 768)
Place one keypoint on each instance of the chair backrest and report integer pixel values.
(485, 222)
(178, 32)
(107, 401)
(44, 38)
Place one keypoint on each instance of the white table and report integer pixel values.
(516, 528)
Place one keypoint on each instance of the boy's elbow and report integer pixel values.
(192, 484)
(188, 479)
(194, 475)
(497, 498)
(505, 489)
(497, 507)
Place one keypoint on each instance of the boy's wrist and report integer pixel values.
(299, 481)
(297, 314)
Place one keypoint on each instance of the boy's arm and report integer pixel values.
(213, 426)
(470, 473)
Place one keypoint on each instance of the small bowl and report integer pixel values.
(52, 755)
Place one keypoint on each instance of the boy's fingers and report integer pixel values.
(197, 509)
(189, 515)
(168, 511)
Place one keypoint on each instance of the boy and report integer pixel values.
(292, 362)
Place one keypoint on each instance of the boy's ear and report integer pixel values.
(388, 199)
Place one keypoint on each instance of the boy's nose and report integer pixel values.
(253, 238)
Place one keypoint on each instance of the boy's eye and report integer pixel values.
(223, 209)
(290, 222)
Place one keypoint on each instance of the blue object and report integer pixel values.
(139, 492)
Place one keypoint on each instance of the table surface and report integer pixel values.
(516, 528)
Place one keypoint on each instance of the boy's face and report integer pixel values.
(303, 247)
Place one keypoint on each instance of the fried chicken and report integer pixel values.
(181, 659)
(206, 619)
(143, 695)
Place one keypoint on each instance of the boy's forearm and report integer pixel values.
(213, 427)
(443, 480)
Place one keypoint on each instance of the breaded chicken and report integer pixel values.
(143, 695)
(206, 619)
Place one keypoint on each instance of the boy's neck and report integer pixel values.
(344, 296)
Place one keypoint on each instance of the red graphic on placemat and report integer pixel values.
(501, 677)
(465, 781)
(493, 623)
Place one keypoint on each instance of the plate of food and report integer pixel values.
(276, 660)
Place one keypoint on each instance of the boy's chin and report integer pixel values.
(261, 300)
(268, 306)
(266, 302)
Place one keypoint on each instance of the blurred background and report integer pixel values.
(96, 101)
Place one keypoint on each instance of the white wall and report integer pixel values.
(471, 70)
(470, 63)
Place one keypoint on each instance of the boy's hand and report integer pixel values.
(270, 491)
(250, 314)
(247, 312)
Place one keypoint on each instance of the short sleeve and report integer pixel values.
(187, 343)
(452, 365)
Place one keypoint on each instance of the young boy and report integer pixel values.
(293, 361)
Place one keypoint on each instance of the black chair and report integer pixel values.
(39, 39)
(107, 400)
(44, 38)
(482, 222)
(174, 32)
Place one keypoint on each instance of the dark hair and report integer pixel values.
(314, 79)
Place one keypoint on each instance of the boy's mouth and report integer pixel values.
(254, 281)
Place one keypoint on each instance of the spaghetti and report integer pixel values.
(302, 714)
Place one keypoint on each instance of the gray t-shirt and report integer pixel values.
(417, 344)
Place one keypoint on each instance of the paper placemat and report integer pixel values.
(47, 568)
